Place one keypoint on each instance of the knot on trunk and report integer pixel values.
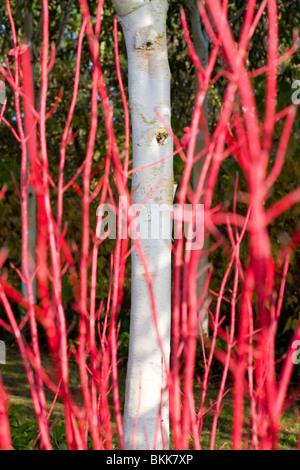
(161, 137)
(147, 38)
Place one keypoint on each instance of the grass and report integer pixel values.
(15, 382)
(23, 422)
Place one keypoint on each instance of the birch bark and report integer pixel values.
(31, 196)
(200, 43)
(146, 414)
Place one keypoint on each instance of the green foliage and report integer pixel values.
(23, 435)
(58, 436)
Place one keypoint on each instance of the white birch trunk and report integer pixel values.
(31, 246)
(31, 196)
(200, 43)
(143, 23)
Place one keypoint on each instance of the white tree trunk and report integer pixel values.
(143, 23)
(31, 246)
(200, 43)
(31, 196)
(28, 33)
